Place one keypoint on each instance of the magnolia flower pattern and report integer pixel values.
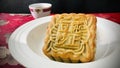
(8, 24)
(6, 58)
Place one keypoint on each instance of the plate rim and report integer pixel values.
(18, 31)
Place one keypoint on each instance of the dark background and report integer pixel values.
(62, 6)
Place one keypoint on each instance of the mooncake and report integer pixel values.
(71, 37)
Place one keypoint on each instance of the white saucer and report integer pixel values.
(26, 43)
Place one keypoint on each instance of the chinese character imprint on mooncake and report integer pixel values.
(71, 38)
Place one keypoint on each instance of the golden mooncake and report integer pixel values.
(71, 38)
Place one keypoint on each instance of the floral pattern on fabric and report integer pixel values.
(8, 24)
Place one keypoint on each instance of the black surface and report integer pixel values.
(62, 6)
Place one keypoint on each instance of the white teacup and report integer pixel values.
(40, 9)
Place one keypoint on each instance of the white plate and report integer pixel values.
(26, 44)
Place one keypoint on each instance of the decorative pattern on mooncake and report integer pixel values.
(71, 38)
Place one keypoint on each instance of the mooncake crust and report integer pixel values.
(71, 38)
